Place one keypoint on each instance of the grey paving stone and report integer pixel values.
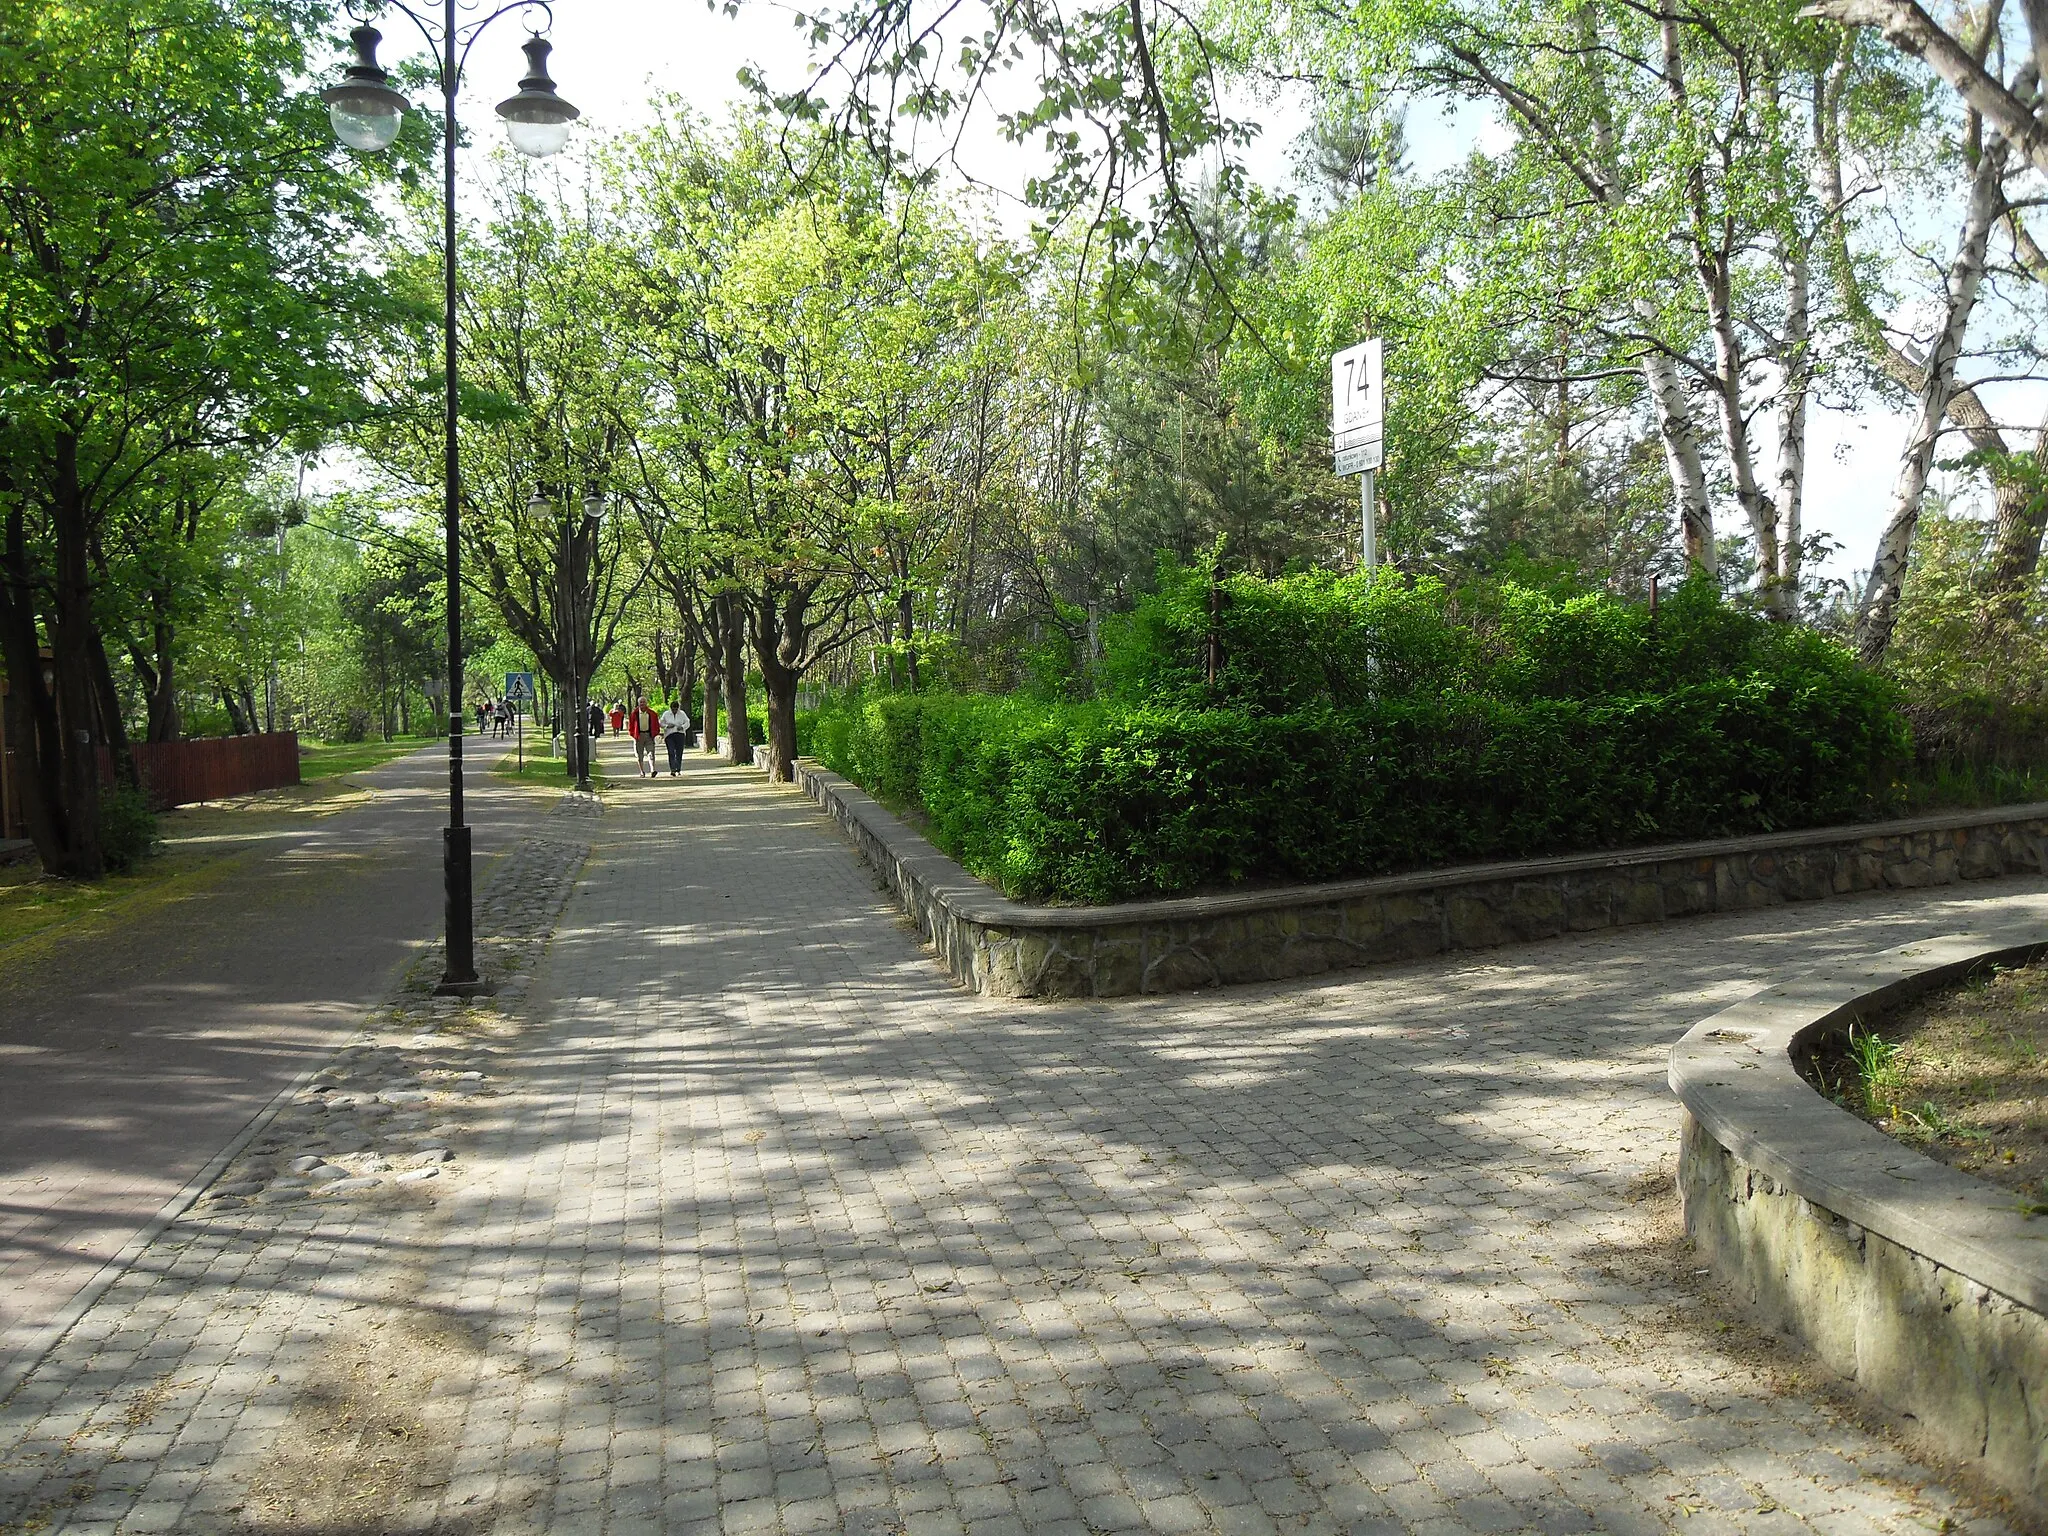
(757, 1223)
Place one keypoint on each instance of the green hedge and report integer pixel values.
(1095, 803)
(1364, 732)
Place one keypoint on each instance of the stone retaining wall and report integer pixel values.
(1016, 949)
(1922, 1285)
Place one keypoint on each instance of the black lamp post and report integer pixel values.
(573, 543)
(367, 112)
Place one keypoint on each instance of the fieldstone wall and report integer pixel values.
(1015, 949)
(1968, 1364)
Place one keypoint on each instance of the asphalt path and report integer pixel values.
(131, 1056)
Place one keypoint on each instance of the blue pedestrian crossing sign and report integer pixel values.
(519, 687)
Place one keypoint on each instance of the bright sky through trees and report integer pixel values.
(611, 55)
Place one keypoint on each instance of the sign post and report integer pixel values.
(1357, 427)
(519, 693)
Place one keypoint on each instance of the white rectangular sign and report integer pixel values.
(1357, 397)
(1356, 461)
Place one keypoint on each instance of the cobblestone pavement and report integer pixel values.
(132, 1054)
(758, 1224)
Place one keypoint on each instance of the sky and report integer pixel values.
(613, 56)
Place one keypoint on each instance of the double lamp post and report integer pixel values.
(367, 111)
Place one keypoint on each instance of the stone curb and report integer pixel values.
(1734, 1074)
(1013, 948)
(1924, 1286)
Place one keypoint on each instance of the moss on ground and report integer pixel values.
(199, 842)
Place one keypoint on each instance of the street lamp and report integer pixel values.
(572, 542)
(367, 113)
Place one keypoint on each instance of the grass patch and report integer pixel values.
(323, 760)
(1961, 1074)
(1973, 786)
(551, 772)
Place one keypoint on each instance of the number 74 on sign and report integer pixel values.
(1357, 426)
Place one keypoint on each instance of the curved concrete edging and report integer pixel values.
(1925, 1286)
(1018, 949)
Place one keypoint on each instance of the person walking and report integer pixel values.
(618, 716)
(483, 715)
(675, 731)
(642, 725)
(596, 720)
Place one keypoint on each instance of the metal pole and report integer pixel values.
(576, 653)
(460, 978)
(1371, 550)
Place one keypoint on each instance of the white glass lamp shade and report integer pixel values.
(593, 507)
(370, 126)
(365, 111)
(539, 508)
(537, 139)
(537, 120)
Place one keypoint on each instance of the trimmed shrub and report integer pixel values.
(127, 827)
(1359, 729)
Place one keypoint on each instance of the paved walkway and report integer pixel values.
(130, 1056)
(767, 1227)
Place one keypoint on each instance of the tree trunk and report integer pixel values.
(776, 636)
(714, 673)
(1782, 596)
(905, 615)
(31, 718)
(1878, 613)
(239, 723)
(165, 722)
(2020, 515)
(686, 676)
(71, 639)
(739, 739)
(1681, 457)
(781, 724)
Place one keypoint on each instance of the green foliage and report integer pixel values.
(1317, 639)
(1363, 728)
(1879, 1076)
(127, 827)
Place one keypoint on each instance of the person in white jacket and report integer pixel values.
(675, 732)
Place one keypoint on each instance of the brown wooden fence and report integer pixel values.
(180, 772)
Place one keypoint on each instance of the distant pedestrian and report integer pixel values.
(675, 732)
(596, 721)
(644, 727)
(483, 714)
(618, 716)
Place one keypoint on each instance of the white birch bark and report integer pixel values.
(1877, 614)
(1794, 389)
(1681, 453)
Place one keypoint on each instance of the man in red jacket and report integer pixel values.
(646, 730)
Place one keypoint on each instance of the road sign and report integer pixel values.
(1357, 395)
(1358, 410)
(1369, 454)
(519, 687)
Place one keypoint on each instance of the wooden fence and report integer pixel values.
(214, 768)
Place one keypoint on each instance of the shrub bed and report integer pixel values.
(1359, 731)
